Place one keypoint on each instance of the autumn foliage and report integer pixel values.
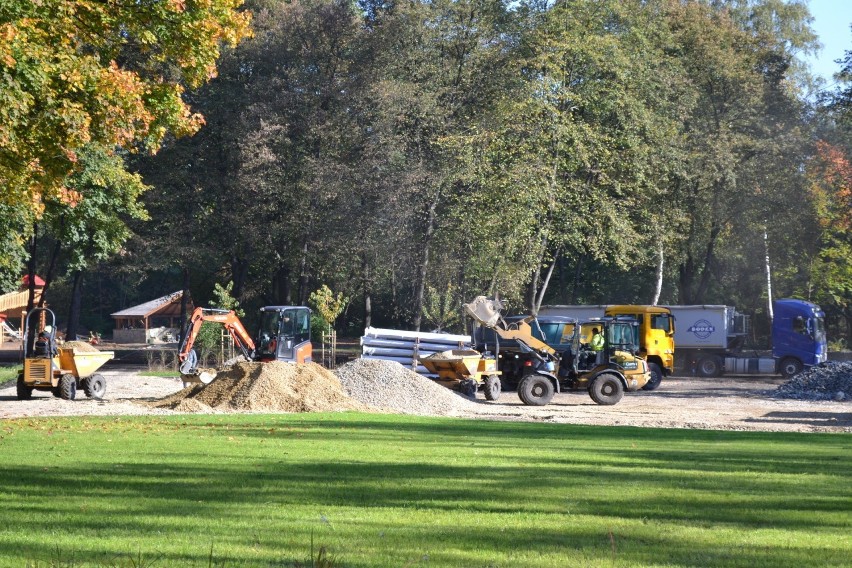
(105, 72)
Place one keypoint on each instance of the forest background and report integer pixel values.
(411, 155)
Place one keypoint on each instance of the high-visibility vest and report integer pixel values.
(597, 342)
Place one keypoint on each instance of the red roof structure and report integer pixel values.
(38, 281)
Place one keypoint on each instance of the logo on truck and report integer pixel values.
(702, 329)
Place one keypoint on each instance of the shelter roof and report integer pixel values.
(38, 280)
(168, 305)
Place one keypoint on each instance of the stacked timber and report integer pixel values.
(405, 347)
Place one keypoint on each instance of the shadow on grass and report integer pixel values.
(271, 470)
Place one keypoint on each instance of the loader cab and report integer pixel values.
(284, 334)
(621, 343)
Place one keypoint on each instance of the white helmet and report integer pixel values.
(48, 329)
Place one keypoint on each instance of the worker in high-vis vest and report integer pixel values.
(597, 341)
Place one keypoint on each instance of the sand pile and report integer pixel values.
(80, 346)
(265, 387)
(390, 386)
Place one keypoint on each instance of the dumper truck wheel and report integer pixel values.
(491, 388)
(536, 390)
(790, 366)
(95, 386)
(24, 392)
(469, 387)
(68, 387)
(606, 389)
(656, 377)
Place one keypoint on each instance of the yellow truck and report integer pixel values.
(656, 332)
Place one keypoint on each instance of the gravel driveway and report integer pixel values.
(731, 403)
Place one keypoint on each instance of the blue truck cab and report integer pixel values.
(798, 335)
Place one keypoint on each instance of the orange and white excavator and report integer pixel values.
(284, 335)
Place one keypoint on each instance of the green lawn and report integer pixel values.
(399, 491)
(8, 373)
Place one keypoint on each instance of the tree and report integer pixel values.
(88, 72)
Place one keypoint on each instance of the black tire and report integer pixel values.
(709, 366)
(536, 390)
(95, 387)
(790, 366)
(656, 377)
(606, 389)
(468, 388)
(24, 392)
(491, 388)
(68, 387)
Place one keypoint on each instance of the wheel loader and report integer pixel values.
(528, 360)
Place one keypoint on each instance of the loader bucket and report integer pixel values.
(485, 311)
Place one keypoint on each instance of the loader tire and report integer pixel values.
(536, 390)
(606, 389)
(95, 387)
(656, 377)
(491, 388)
(24, 392)
(68, 387)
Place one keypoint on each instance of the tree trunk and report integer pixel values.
(239, 275)
(282, 292)
(424, 263)
(768, 277)
(303, 274)
(546, 282)
(51, 268)
(658, 287)
(368, 310)
(31, 268)
(74, 308)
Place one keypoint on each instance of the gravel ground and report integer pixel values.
(729, 403)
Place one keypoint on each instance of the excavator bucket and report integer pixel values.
(485, 311)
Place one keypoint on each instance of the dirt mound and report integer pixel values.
(826, 381)
(80, 346)
(266, 387)
(388, 385)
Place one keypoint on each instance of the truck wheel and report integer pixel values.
(24, 392)
(492, 387)
(68, 387)
(656, 377)
(536, 390)
(606, 389)
(790, 366)
(95, 386)
(709, 366)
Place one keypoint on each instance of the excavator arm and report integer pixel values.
(187, 357)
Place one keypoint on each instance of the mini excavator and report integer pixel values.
(284, 335)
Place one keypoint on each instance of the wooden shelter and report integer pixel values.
(153, 321)
(13, 306)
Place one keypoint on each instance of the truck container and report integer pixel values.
(710, 340)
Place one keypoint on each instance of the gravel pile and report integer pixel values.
(265, 387)
(827, 381)
(387, 385)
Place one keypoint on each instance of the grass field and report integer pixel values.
(374, 490)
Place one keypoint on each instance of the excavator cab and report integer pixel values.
(284, 334)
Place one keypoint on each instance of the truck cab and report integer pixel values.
(656, 338)
(798, 335)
